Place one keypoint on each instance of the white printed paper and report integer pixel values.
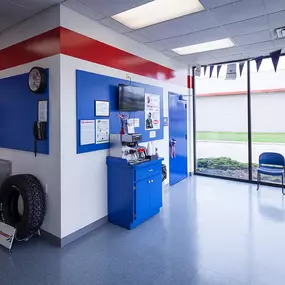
(87, 132)
(131, 129)
(135, 122)
(42, 111)
(152, 134)
(152, 112)
(102, 108)
(102, 131)
(231, 71)
(198, 70)
(130, 125)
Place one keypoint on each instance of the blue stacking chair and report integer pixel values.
(271, 163)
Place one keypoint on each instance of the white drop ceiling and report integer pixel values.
(249, 24)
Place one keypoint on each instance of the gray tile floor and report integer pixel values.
(209, 232)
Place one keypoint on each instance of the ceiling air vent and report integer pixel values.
(280, 33)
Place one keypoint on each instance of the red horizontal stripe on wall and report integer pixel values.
(62, 40)
(38, 47)
(82, 47)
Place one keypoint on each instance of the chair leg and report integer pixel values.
(283, 185)
(258, 180)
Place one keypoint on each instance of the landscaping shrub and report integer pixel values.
(224, 163)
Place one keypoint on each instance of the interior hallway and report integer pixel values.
(210, 231)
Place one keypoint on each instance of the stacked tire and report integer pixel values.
(28, 221)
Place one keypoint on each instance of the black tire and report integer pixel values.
(34, 204)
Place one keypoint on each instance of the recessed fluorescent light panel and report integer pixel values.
(214, 45)
(157, 11)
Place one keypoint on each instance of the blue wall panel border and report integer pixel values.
(91, 87)
(18, 112)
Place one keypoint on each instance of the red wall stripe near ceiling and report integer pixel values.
(38, 47)
(64, 41)
(82, 47)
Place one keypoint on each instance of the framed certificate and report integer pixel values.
(102, 108)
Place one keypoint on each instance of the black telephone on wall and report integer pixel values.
(40, 133)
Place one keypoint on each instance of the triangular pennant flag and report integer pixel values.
(211, 70)
(275, 58)
(258, 61)
(218, 70)
(241, 66)
(205, 70)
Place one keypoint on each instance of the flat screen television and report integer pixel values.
(131, 98)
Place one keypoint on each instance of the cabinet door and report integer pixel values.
(156, 192)
(142, 199)
(148, 197)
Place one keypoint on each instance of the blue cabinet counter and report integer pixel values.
(134, 191)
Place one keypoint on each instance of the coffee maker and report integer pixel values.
(126, 146)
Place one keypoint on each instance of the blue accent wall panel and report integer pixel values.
(91, 87)
(18, 112)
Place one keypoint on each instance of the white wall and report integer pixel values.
(84, 176)
(45, 167)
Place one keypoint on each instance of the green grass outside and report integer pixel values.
(241, 137)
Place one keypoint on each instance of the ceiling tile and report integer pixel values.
(9, 10)
(226, 52)
(183, 25)
(216, 3)
(257, 53)
(253, 38)
(4, 24)
(280, 43)
(137, 37)
(33, 3)
(110, 8)
(248, 26)
(190, 39)
(231, 58)
(83, 9)
(276, 20)
(274, 5)
(259, 46)
(109, 22)
(239, 11)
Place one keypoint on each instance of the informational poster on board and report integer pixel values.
(152, 112)
(102, 131)
(87, 132)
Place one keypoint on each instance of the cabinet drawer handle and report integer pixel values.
(151, 180)
(150, 170)
(148, 181)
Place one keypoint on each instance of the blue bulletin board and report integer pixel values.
(91, 87)
(18, 112)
